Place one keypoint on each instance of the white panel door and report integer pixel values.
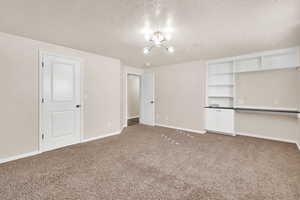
(147, 99)
(60, 122)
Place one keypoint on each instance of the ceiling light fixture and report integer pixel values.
(157, 39)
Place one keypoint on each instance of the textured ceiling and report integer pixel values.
(202, 29)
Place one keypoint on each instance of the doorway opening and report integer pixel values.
(133, 99)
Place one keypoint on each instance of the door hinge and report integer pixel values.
(43, 136)
(43, 100)
(43, 64)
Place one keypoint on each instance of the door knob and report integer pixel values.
(152, 102)
(77, 106)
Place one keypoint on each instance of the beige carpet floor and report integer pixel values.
(155, 163)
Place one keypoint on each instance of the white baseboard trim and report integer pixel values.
(101, 136)
(17, 157)
(25, 155)
(222, 133)
(183, 129)
(266, 137)
(298, 145)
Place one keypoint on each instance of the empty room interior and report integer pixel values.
(150, 100)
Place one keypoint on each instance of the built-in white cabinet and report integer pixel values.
(220, 84)
(220, 120)
(267, 60)
(248, 64)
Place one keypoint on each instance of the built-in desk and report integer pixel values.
(216, 107)
(221, 119)
(259, 109)
(267, 110)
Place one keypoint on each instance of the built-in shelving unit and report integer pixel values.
(221, 73)
(268, 60)
(221, 87)
(220, 83)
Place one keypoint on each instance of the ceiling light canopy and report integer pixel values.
(157, 39)
(170, 49)
(146, 50)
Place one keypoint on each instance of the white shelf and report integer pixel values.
(262, 69)
(220, 82)
(220, 85)
(219, 96)
(225, 73)
(269, 60)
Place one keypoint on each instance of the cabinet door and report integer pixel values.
(211, 119)
(225, 121)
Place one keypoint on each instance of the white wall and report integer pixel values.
(133, 96)
(267, 125)
(298, 73)
(101, 89)
(180, 95)
(298, 131)
(276, 88)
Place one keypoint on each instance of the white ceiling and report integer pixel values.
(203, 29)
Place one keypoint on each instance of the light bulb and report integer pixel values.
(146, 50)
(171, 49)
(147, 37)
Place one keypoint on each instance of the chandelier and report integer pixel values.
(157, 39)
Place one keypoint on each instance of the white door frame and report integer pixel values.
(42, 53)
(139, 74)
